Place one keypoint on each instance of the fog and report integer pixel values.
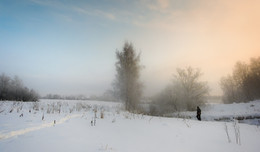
(69, 48)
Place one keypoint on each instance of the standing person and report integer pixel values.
(198, 113)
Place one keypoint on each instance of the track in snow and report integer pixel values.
(45, 125)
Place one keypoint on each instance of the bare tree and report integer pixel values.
(16, 88)
(13, 89)
(253, 80)
(233, 86)
(193, 91)
(240, 76)
(127, 83)
(244, 84)
(186, 92)
(229, 88)
(4, 86)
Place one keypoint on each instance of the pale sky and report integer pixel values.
(68, 47)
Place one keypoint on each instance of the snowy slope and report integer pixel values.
(118, 131)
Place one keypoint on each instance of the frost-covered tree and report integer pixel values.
(254, 78)
(13, 89)
(229, 88)
(127, 84)
(186, 92)
(194, 91)
(16, 87)
(244, 83)
(233, 86)
(4, 86)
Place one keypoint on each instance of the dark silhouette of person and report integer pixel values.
(198, 113)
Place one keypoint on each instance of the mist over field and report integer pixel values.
(140, 75)
(68, 48)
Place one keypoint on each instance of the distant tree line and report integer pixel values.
(108, 95)
(13, 89)
(244, 83)
(70, 97)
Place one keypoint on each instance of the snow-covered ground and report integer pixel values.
(118, 131)
(246, 112)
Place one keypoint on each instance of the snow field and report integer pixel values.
(118, 131)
